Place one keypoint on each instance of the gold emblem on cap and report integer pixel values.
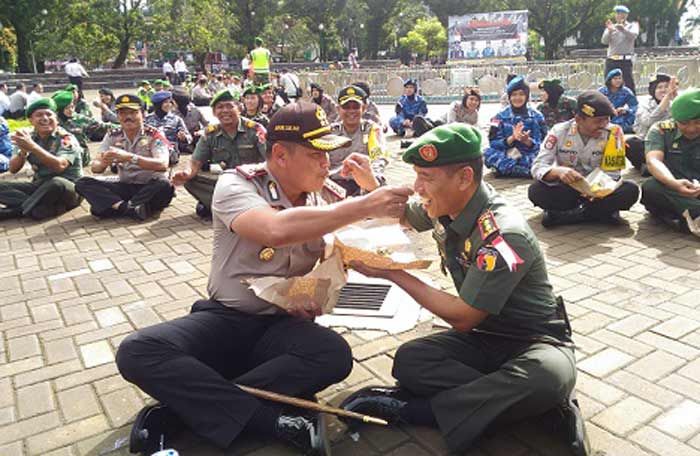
(125, 99)
(428, 152)
(351, 91)
(266, 254)
(321, 116)
(588, 110)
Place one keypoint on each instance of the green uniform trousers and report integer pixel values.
(475, 380)
(658, 198)
(42, 199)
(202, 188)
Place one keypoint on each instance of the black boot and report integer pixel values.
(569, 217)
(420, 126)
(406, 143)
(202, 211)
(139, 212)
(7, 213)
(566, 420)
(383, 402)
(305, 431)
(154, 425)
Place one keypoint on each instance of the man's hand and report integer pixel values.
(304, 307)
(118, 155)
(181, 135)
(519, 133)
(23, 140)
(388, 201)
(359, 168)
(568, 175)
(180, 177)
(621, 111)
(609, 25)
(673, 87)
(370, 271)
(407, 123)
(687, 188)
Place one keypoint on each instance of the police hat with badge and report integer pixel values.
(129, 101)
(351, 93)
(304, 123)
(592, 103)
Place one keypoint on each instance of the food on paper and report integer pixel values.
(597, 184)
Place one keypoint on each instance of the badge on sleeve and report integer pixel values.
(550, 142)
(266, 254)
(486, 258)
(487, 224)
(272, 191)
(511, 258)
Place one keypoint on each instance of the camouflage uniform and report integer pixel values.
(81, 127)
(565, 110)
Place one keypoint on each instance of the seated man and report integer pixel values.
(55, 158)
(624, 101)
(171, 125)
(266, 223)
(516, 133)
(232, 142)
(367, 139)
(324, 100)
(141, 156)
(371, 111)
(194, 120)
(407, 108)
(509, 355)
(673, 159)
(570, 152)
(79, 125)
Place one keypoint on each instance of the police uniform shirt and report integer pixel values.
(564, 146)
(681, 155)
(235, 258)
(150, 143)
(61, 144)
(247, 146)
(513, 288)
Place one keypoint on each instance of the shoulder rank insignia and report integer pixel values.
(65, 140)
(487, 224)
(212, 128)
(266, 254)
(667, 124)
(249, 123)
(251, 170)
(273, 191)
(335, 189)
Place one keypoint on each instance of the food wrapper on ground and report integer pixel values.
(376, 245)
(693, 225)
(597, 184)
(322, 285)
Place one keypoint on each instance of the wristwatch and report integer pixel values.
(134, 159)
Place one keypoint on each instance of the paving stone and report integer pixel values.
(76, 314)
(7, 416)
(692, 370)
(650, 391)
(24, 365)
(78, 403)
(12, 449)
(676, 327)
(12, 311)
(605, 362)
(655, 365)
(373, 348)
(35, 399)
(682, 421)
(60, 350)
(6, 393)
(96, 353)
(121, 406)
(110, 317)
(45, 313)
(47, 373)
(668, 345)
(23, 347)
(632, 325)
(66, 434)
(598, 389)
(623, 343)
(626, 415)
(662, 444)
(31, 426)
(603, 440)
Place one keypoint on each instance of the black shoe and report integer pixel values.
(305, 431)
(7, 213)
(553, 218)
(138, 212)
(420, 126)
(383, 402)
(613, 219)
(155, 424)
(405, 144)
(203, 211)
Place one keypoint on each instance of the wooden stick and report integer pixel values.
(310, 405)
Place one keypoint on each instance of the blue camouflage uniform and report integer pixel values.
(500, 156)
(5, 145)
(623, 97)
(407, 108)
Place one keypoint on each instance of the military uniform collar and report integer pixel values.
(54, 134)
(466, 220)
(239, 129)
(275, 193)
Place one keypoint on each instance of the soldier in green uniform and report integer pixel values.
(508, 355)
(54, 155)
(673, 159)
(234, 141)
(79, 125)
(81, 106)
(555, 107)
(252, 105)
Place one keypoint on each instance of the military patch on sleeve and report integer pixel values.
(551, 142)
(65, 141)
(510, 256)
(335, 189)
(486, 258)
(487, 224)
(251, 170)
(260, 132)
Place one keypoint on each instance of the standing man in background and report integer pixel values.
(620, 38)
(76, 72)
(260, 62)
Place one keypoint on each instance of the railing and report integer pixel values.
(447, 83)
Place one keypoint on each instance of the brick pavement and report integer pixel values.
(74, 287)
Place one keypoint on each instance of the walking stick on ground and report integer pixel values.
(310, 405)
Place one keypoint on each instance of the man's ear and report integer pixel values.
(279, 154)
(466, 177)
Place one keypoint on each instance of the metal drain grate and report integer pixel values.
(364, 296)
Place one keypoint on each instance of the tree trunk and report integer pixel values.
(123, 53)
(24, 55)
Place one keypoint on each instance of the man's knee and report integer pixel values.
(629, 194)
(136, 356)
(410, 362)
(82, 184)
(335, 357)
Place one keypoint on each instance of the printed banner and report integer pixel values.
(501, 34)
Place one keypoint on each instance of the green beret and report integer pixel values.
(250, 89)
(70, 87)
(264, 87)
(549, 83)
(62, 98)
(445, 145)
(686, 106)
(224, 95)
(41, 103)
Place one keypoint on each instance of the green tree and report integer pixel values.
(26, 18)
(289, 36)
(428, 39)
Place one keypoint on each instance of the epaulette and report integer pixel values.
(335, 189)
(251, 170)
(487, 225)
(667, 124)
(212, 128)
(250, 123)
